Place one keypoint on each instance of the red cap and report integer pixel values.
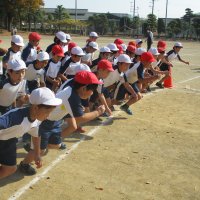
(120, 51)
(161, 45)
(131, 48)
(147, 56)
(34, 36)
(57, 50)
(161, 49)
(71, 45)
(118, 41)
(85, 77)
(105, 64)
(132, 43)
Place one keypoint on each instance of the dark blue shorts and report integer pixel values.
(106, 93)
(122, 91)
(135, 87)
(164, 67)
(50, 132)
(8, 152)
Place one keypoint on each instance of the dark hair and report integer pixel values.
(92, 87)
(45, 106)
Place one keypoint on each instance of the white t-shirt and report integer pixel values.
(53, 69)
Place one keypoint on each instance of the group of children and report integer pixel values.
(41, 90)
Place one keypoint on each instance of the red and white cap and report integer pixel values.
(148, 57)
(124, 58)
(105, 64)
(61, 36)
(68, 37)
(93, 34)
(85, 77)
(34, 36)
(104, 50)
(41, 56)
(44, 96)
(58, 50)
(18, 40)
(16, 64)
(112, 47)
(137, 41)
(94, 45)
(124, 47)
(154, 51)
(77, 51)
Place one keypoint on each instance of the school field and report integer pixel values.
(152, 155)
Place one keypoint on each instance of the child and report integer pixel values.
(104, 54)
(71, 110)
(146, 60)
(104, 67)
(138, 43)
(130, 51)
(93, 36)
(112, 83)
(14, 86)
(19, 121)
(52, 80)
(2, 53)
(35, 71)
(89, 51)
(114, 52)
(76, 55)
(14, 51)
(29, 53)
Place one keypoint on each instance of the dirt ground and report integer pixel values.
(152, 155)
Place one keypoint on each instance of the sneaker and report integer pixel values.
(126, 109)
(27, 147)
(148, 89)
(27, 169)
(159, 85)
(63, 146)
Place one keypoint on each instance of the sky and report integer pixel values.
(176, 8)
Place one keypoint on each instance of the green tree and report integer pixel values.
(174, 27)
(99, 23)
(187, 18)
(196, 25)
(124, 23)
(152, 22)
(135, 25)
(161, 26)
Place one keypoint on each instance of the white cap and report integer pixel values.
(112, 47)
(124, 58)
(77, 51)
(140, 51)
(93, 34)
(178, 44)
(81, 67)
(44, 96)
(16, 64)
(137, 41)
(94, 45)
(18, 40)
(68, 37)
(124, 47)
(154, 51)
(61, 36)
(105, 50)
(42, 56)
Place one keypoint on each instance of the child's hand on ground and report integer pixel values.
(38, 161)
(101, 109)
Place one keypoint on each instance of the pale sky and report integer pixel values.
(176, 8)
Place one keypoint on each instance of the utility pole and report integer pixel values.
(166, 17)
(152, 7)
(75, 10)
(134, 9)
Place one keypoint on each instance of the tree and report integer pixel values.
(174, 27)
(152, 22)
(196, 25)
(135, 25)
(99, 23)
(124, 23)
(187, 18)
(161, 26)
(61, 14)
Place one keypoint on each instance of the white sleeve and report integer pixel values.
(34, 131)
(22, 90)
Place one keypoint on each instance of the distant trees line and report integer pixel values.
(28, 15)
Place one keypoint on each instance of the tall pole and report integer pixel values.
(75, 10)
(152, 6)
(166, 17)
(134, 9)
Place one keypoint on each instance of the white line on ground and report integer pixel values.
(65, 154)
(189, 79)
